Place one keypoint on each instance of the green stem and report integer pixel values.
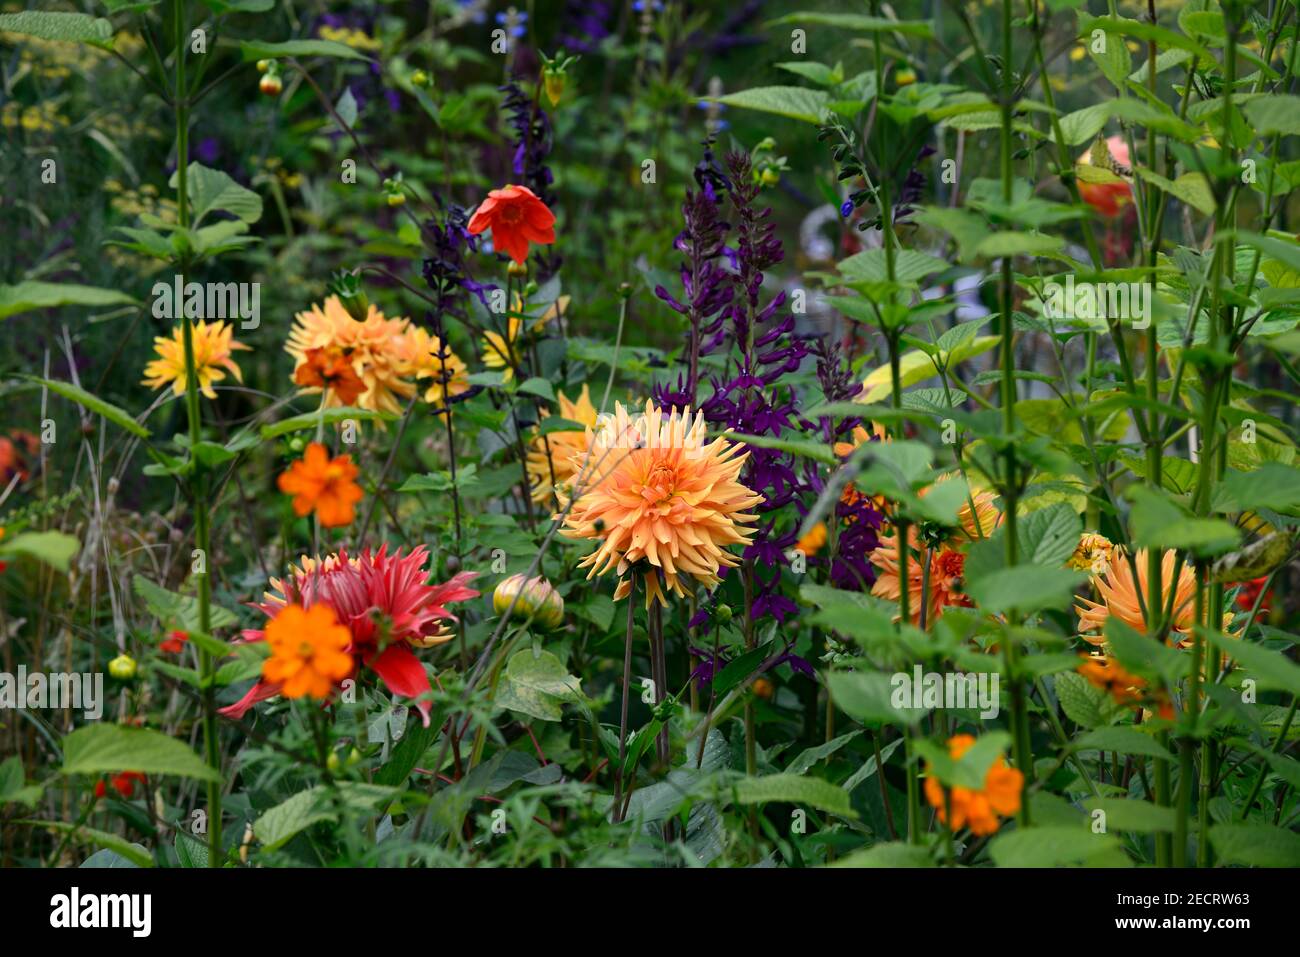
(198, 477)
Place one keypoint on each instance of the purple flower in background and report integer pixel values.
(584, 24)
(725, 310)
(707, 288)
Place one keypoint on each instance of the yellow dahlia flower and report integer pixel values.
(660, 501)
(213, 343)
(380, 350)
(551, 456)
(432, 360)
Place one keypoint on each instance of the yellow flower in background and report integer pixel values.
(213, 344)
(502, 352)
(380, 350)
(1093, 554)
(660, 501)
(351, 36)
(431, 359)
(551, 456)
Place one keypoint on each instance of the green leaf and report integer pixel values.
(53, 548)
(1271, 486)
(60, 27)
(1014, 243)
(802, 447)
(1256, 845)
(794, 102)
(1024, 588)
(536, 683)
(309, 420)
(1142, 817)
(1275, 113)
(538, 386)
(1082, 702)
(180, 611)
(1143, 656)
(259, 50)
(190, 851)
(100, 748)
(1270, 669)
(1158, 523)
(211, 189)
(93, 403)
(890, 854)
(1192, 188)
(289, 818)
(1056, 847)
(868, 697)
(13, 787)
(810, 756)
(795, 789)
(1123, 740)
(240, 6)
(856, 21)
(30, 295)
(134, 853)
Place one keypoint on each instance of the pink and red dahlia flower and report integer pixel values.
(387, 604)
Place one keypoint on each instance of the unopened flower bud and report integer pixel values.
(537, 600)
(122, 667)
(270, 84)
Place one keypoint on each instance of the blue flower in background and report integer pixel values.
(513, 20)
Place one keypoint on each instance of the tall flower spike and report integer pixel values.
(661, 502)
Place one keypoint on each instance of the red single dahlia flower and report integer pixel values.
(387, 604)
(517, 218)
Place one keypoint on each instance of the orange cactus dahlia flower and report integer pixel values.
(517, 219)
(380, 350)
(980, 809)
(1119, 593)
(213, 343)
(385, 603)
(660, 501)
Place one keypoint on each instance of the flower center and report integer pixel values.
(660, 484)
(511, 214)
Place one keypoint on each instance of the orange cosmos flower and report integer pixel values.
(979, 810)
(379, 349)
(212, 342)
(659, 500)
(309, 651)
(324, 484)
(1109, 199)
(552, 457)
(517, 219)
(1122, 685)
(329, 368)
